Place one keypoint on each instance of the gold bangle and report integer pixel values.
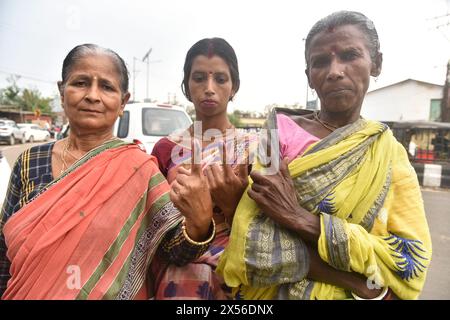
(196, 243)
(380, 297)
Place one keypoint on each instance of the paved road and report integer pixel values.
(12, 152)
(437, 206)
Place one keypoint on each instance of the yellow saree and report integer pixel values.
(360, 182)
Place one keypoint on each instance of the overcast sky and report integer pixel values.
(267, 36)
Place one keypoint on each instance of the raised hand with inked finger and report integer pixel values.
(227, 186)
(191, 196)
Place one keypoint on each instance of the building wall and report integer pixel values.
(31, 118)
(405, 101)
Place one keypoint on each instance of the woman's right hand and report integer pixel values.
(190, 194)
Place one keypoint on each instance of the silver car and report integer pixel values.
(10, 132)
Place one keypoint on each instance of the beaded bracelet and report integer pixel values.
(380, 297)
(196, 243)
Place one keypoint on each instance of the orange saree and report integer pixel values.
(93, 232)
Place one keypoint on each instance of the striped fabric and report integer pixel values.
(109, 234)
(197, 280)
(32, 171)
(359, 181)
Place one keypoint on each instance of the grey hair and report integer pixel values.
(342, 18)
(84, 50)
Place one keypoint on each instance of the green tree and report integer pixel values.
(10, 94)
(235, 119)
(31, 99)
(25, 99)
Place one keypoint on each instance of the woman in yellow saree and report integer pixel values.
(343, 216)
(84, 216)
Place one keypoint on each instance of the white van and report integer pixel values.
(149, 122)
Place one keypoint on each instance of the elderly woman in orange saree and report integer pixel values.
(84, 216)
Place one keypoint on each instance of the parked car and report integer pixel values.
(33, 132)
(149, 122)
(10, 132)
(5, 171)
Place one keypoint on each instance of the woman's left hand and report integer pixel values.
(275, 195)
(225, 186)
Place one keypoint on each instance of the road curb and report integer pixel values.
(433, 175)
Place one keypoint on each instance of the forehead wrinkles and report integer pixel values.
(338, 38)
(96, 64)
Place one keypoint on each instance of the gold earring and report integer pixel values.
(121, 113)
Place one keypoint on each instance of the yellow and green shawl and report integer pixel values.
(361, 184)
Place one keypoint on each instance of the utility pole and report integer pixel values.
(134, 78)
(445, 103)
(144, 59)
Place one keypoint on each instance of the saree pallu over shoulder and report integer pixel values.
(351, 180)
(93, 232)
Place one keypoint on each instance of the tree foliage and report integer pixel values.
(31, 99)
(26, 99)
(10, 94)
(235, 119)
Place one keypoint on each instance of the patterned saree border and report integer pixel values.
(337, 241)
(274, 255)
(369, 219)
(315, 184)
(300, 290)
(114, 249)
(167, 216)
